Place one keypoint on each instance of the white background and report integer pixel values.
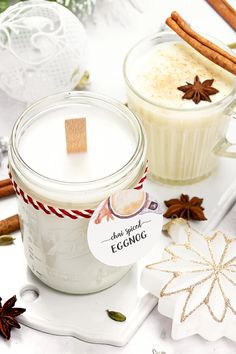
(110, 36)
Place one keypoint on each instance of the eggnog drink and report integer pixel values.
(181, 134)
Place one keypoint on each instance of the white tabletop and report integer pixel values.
(109, 39)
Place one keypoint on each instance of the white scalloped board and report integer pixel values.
(81, 316)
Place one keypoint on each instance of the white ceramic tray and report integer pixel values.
(85, 316)
(223, 216)
(81, 316)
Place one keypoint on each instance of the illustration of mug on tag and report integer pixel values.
(125, 227)
(127, 204)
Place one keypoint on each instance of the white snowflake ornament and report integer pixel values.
(196, 283)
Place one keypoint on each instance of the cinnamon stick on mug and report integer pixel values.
(9, 225)
(205, 47)
(225, 10)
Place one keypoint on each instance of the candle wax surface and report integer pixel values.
(111, 142)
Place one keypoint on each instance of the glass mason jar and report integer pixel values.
(183, 143)
(54, 210)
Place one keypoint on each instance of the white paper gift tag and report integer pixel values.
(125, 227)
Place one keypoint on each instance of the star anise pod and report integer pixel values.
(7, 316)
(198, 90)
(185, 208)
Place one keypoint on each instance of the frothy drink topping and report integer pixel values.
(157, 74)
(127, 202)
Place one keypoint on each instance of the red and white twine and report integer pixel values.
(59, 212)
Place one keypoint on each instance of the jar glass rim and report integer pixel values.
(84, 185)
(169, 34)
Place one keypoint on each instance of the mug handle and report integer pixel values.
(223, 146)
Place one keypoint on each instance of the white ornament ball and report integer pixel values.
(42, 50)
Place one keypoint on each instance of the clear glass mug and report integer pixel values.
(183, 144)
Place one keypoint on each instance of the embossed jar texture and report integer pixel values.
(58, 191)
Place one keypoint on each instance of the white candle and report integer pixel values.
(111, 144)
(181, 134)
(56, 248)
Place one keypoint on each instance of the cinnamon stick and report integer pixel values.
(225, 10)
(201, 44)
(9, 225)
(6, 191)
(180, 21)
(5, 182)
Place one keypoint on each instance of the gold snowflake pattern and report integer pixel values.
(203, 268)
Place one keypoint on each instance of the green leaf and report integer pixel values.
(4, 5)
(79, 7)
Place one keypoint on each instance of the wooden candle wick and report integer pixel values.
(76, 139)
(201, 44)
(9, 225)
